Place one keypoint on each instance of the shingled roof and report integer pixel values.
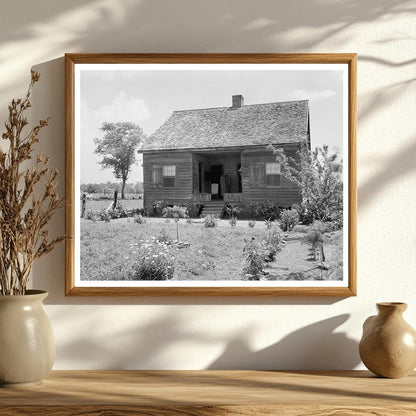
(249, 125)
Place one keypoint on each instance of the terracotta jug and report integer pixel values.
(388, 344)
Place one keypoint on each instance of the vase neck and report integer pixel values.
(389, 308)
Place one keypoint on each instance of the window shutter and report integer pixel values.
(157, 176)
(261, 173)
(252, 173)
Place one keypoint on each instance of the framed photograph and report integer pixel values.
(211, 174)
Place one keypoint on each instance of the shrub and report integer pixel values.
(267, 211)
(273, 241)
(233, 221)
(254, 258)
(230, 211)
(268, 224)
(247, 212)
(336, 221)
(155, 210)
(288, 219)
(139, 219)
(154, 262)
(252, 224)
(163, 236)
(300, 228)
(104, 215)
(316, 238)
(305, 216)
(91, 215)
(194, 209)
(138, 211)
(118, 212)
(210, 221)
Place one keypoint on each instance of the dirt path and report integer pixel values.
(292, 261)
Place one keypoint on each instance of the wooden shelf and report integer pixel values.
(210, 393)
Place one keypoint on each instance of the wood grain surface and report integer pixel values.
(207, 393)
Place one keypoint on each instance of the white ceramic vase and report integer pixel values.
(27, 346)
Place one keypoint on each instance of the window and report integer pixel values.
(272, 174)
(169, 174)
(156, 176)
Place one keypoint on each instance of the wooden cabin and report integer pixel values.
(221, 154)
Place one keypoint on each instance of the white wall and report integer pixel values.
(195, 333)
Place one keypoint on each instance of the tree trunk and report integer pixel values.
(123, 184)
(114, 206)
(322, 253)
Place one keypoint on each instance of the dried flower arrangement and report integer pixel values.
(28, 199)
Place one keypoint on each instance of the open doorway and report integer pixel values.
(215, 176)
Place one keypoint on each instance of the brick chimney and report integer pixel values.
(238, 101)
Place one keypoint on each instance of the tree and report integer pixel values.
(319, 175)
(316, 238)
(118, 147)
(176, 212)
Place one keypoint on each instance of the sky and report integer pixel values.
(148, 96)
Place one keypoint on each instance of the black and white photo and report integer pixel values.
(199, 175)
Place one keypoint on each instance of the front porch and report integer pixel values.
(217, 177)
(226, 197)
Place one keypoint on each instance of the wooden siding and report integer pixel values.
(181, 193)
(201, 197)
(254, 188)
(234, 198)
(254, 179)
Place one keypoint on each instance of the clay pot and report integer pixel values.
(388, 345)
(27, 346)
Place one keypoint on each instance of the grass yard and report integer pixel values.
(109, 251)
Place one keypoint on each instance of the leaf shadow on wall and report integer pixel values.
(221, 26)
(313, 347)
(138, 345)
(235, 25)
(147, 345)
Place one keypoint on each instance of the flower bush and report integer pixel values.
(104, 215)
(154, 261)
(273, 241)
(267, 211)
(254, 257)
(118, 212)
(139, 219)
(91, 215)
(194, 209)
(288, 219)
(233, 221)
(210, 221)
(316, 238)
(155, 209)
(268, 224)
(230, 211)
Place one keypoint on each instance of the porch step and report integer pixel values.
(212, 208)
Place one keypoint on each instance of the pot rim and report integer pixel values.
(391, 306)
(30, 293)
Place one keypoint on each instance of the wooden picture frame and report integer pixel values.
(204, 189)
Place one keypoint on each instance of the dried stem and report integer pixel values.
(24, 217)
